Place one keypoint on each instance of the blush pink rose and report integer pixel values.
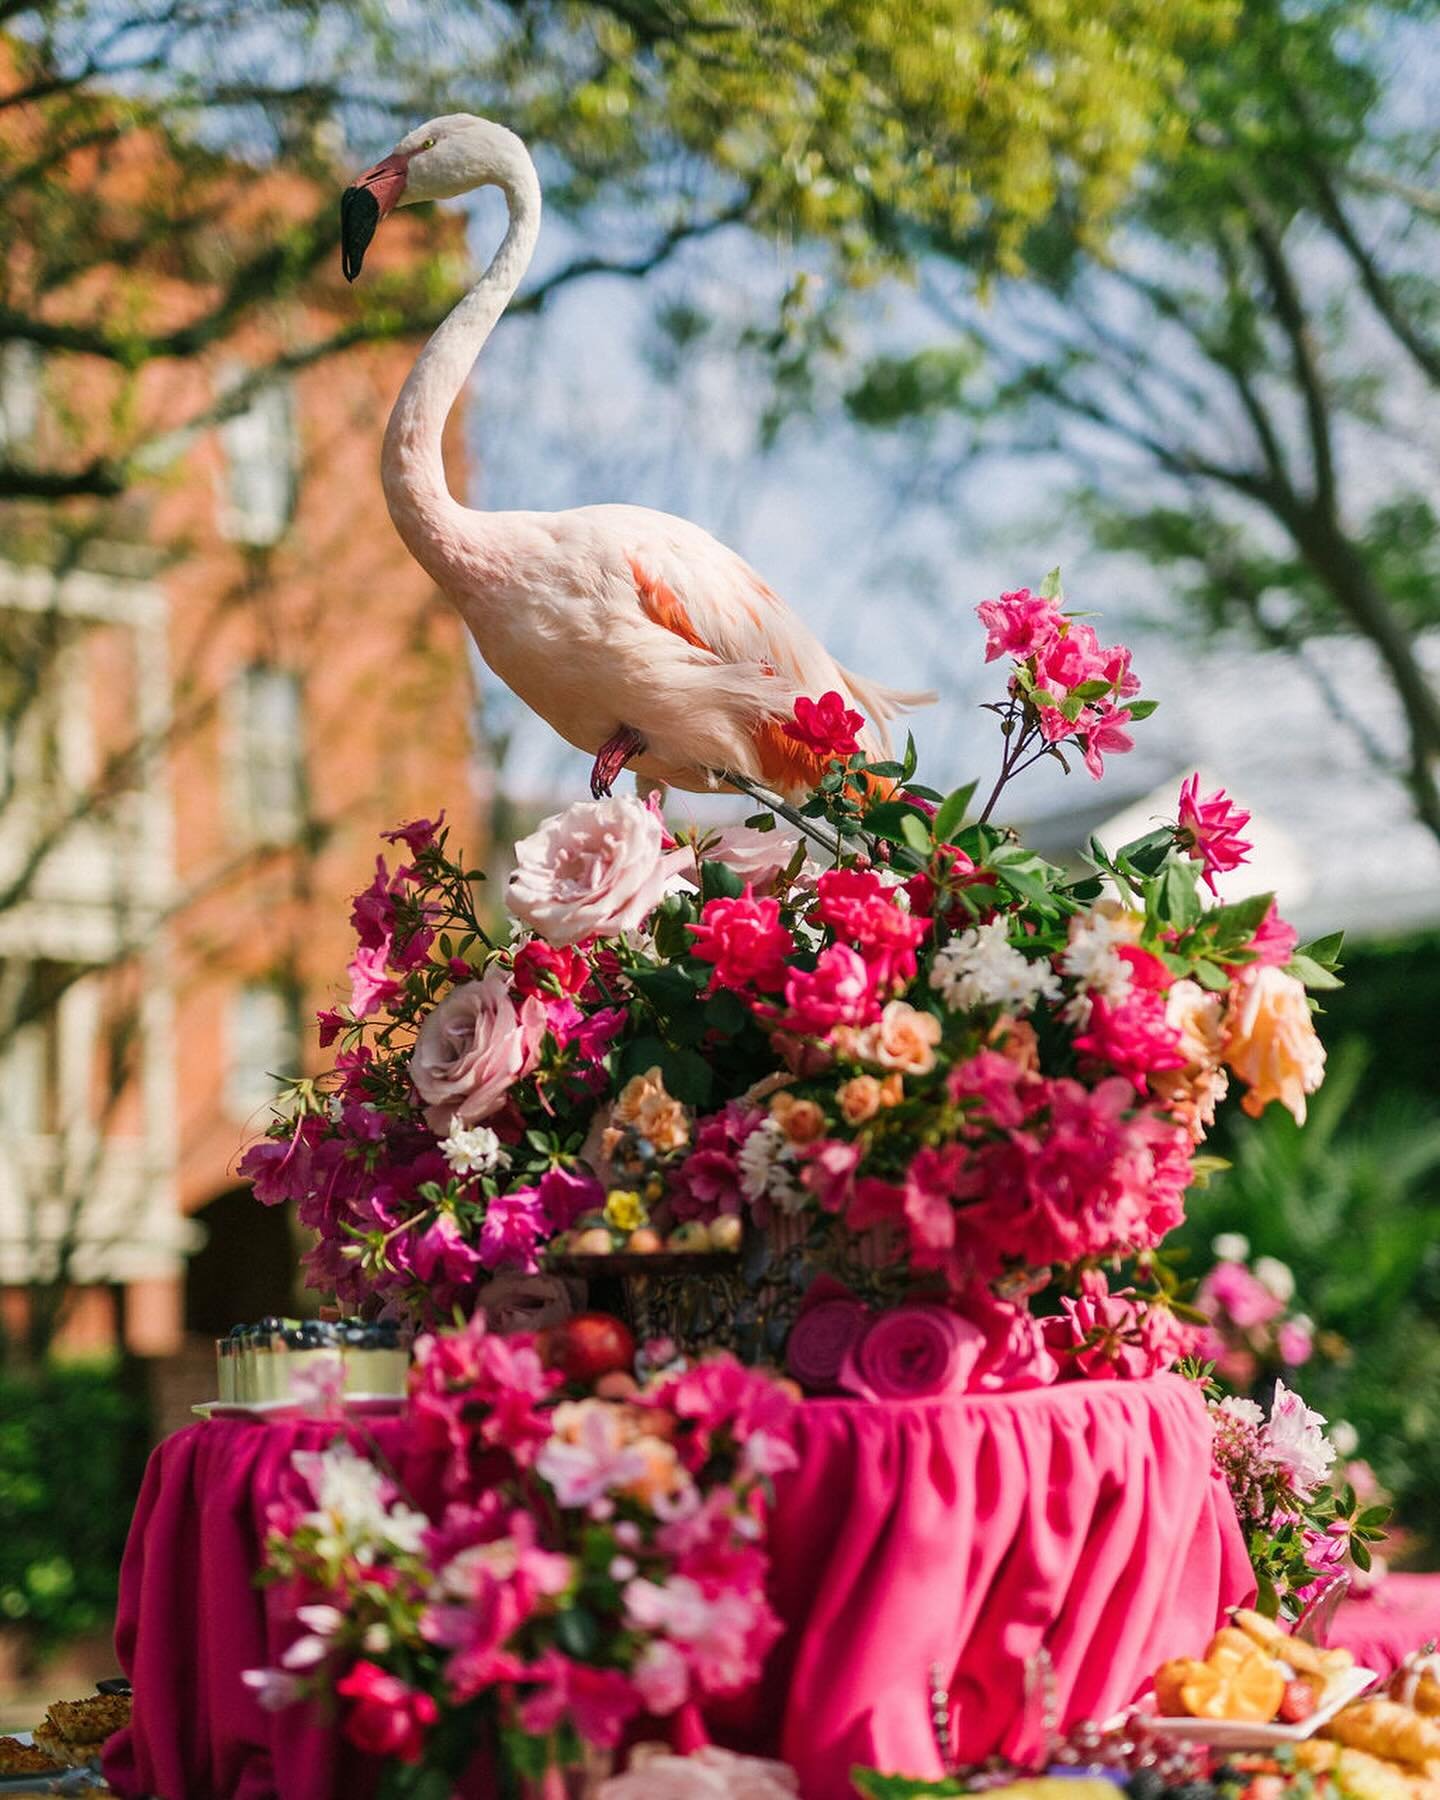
(757, 857)
(472, 1050)
(598, 869)
(912, 1353)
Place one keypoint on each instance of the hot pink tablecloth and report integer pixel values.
(962, 1532)
(1398, 1615)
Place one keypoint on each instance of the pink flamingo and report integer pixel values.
(639, 637)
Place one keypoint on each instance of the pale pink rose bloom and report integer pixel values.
(662, 1677)
(1295, 1440)
(657, 1773)
(598, 869)
(472, 1050)
(1272, 1044)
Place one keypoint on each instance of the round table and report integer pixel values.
(959, 1534)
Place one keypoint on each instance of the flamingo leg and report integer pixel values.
(612, 757)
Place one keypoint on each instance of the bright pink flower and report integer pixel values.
(514, 1226)
(388, 1718)
(829, 1172)
(1105, 735)
(1117, 672)
(1230, 1292)
(331, 1024)
(599, 1703)
(1018, 624)
(1133, 1037)
(707, 1183)
(442, 1254)
(874, 1202)
(826, 726)
(1054, 726)
(1148, 973)
(929, 1210)
(1102, 1336)
(1274, 941)
(372, 914)
(838, 991)
(746, 942)
(1295, 1344)
(1208, 830)
(548, 969)
(417, 836)
(565, 1194)
(996, 1084)
(472, 1372)
(370, 986)
(862, 911)
(1071, 660)
(662, 1677)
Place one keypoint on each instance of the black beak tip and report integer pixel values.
(359, 216)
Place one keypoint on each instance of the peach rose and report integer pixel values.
(1271, 1044)
(1016, 1040)
(892, 1091)
(801, 1120)
(472, 1049)
(903, 1039)
(858, 1099)
(651, 1113)
(598, 869)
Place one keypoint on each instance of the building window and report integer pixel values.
(33, 1080)
(20, 365)
(267, 754)
(263, 1048)
(261, 475)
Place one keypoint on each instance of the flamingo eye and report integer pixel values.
(429, 144)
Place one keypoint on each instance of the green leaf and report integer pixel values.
(1140, 709)
(726, 1013)
(1235, 924)
(1360, 1554)
(1091, 690)
(916, 833)
(1050, 588)
(669, 988)
(688, 1076)
(719, 882)
(1326, 950)
(1178, 902)
(639, 1055)
(907, 766)
(1211, 976)
(578, 1633)
(874, 1786)
(1305, 969)
(953, 809)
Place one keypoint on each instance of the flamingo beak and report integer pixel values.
(363, 205)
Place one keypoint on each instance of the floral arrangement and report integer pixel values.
(595, 1554)
(1301, 1529)
(952, 1071)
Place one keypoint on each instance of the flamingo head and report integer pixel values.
(439, 160)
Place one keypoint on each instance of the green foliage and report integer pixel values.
(1352, 1203)
(72, 1446)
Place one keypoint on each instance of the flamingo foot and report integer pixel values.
(611, 758)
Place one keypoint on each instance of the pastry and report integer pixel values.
(1266, 1635)
(1416, 1684)
(25, 1759)
(91, 1720)
(1249, 1688)
(1386, 1729)
(1359, 1774)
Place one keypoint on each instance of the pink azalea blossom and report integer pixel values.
(1019, 624)
(662, 1677)
(1295, 1343)
(1229, 1291)
(599, 1460)
(1274, 941)
(370, 986)
(707, 1183)
(862, 911)
(514, 1226)
(1105, 735)
(1071, 659)
(826, 726)
(1102, 1336)
(745, 941)
(442, 1254)
(1208, 830)
(715, 1630)
(1296, 1441)
(829, 1172)
(599, 1703)
(388, 1718)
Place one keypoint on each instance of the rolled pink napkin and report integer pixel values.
(913, 1353)
(820, 1340)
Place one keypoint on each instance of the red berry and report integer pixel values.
(588, 1346)
(1298, 1702)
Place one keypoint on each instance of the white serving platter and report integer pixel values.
(67, 1781)
(1237, 1734)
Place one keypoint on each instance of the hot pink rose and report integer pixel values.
(912, 1353)
(598, 869)
(826, 726)
(388, 1718)
(837, 991)
(746, 942)
(539, 968)
(472, 1050)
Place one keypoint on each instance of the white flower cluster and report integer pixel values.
(767, 1168)
(982, 967)
(352, 1514)
(474, 1152)
(1091, 962)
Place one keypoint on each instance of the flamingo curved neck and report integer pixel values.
(412, 466)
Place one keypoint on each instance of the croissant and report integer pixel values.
(1416, 1684)
(1388, 1730)
(1303, 1658)
(1365, 1777)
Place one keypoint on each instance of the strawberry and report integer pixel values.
(1298, 1701)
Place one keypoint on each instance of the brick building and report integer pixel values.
(217, 691)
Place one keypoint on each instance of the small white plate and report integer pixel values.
(1236, 1734)
(367, 1406)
